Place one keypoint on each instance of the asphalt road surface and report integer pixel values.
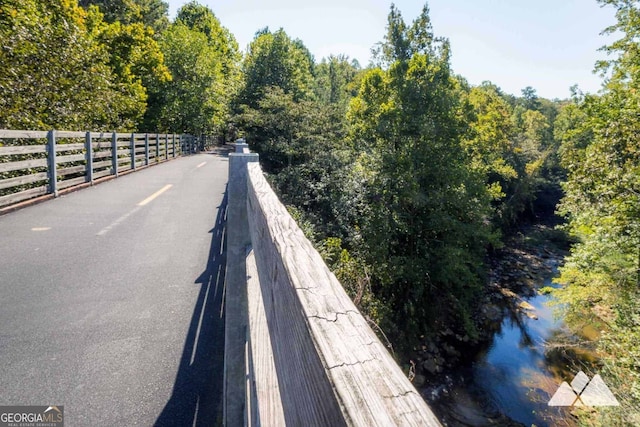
(110, 299)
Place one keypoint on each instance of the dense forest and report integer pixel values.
(406, 177)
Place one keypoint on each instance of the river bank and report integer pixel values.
(507, 375)
(516, 272)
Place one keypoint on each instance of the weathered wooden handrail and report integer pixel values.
(36, 163)
(297, 350)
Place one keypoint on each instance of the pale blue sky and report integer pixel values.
(547, 44)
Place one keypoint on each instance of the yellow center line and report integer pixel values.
(154, 195)
(201, 165)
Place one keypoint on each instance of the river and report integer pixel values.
(510, 381)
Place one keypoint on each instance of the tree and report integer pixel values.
(336, 80)
(151, 13)
(202, 57)
(529, 99)
(51, 69)
(422, 230)
(601, 152)
(134, 58)
(402, 42)
(490, 143)
(602, 205)
(194, 100)
(200, 18)
(396, 44)
(274, 60)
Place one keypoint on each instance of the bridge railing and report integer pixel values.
(36, 163)
(297, 350)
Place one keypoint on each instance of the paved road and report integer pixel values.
(110, 299)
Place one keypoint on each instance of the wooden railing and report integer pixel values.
(36, 163)
(297, 350)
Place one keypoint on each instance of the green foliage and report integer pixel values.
(514, 148)
(193, 101)
(601, 152)
(283, 130)
(490, 140)
(134, 58)
(274, 60)
(336, 80)
(423, 227)
(54, 73)
(354, 276)
(300, 145)
(400, 172)
(151, 13)
(200, 18)
(621, 345)
(202, 58)
(402, 42)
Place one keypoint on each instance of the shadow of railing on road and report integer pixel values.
(197, 393)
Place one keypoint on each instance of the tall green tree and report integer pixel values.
(275, 64)
(423, 228)
(337, 80)
(194, 100)
(202, 57)
(275, 60)
(152, 13)
(490, 140)
(135, 60)
(200, 18)
(52, 68)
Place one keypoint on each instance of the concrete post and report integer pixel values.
(241, 146)
(236, 317)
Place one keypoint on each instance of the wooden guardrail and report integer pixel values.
(35, 163)
(297, 350)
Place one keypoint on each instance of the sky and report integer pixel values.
(549, 45)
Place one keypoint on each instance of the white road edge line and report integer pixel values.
(134, 210)
(201, 165)
(154, 195)
(118, 221)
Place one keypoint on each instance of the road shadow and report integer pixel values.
(221, 151)
(197, 393)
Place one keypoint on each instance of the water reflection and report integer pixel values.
(511, 381)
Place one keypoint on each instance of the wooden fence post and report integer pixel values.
(146, 149)
(114, 153)
(88, 148)
(173, 146)
(157, 147)
(51, 157)
(133, 151)
(236, 319)
(166, 146)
